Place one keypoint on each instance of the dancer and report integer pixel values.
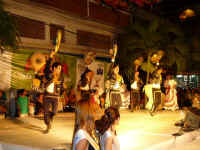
(135, 92)
(156, 89)
(54, 86)
(84, 84)
(85, 92)
(116, 83)
(153, 91)
(113, 53)
(171, 94)
(106, 126)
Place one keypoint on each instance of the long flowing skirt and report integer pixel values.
(149, 94)
(171, 100)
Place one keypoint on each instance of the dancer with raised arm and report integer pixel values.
(54, 86)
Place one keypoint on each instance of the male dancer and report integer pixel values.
(135, 92)
(156, 84)
(53, 83)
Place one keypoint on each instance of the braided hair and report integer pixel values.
(111, 114)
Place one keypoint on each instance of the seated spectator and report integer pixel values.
(186, 96)
(106, 127)
(22, 102)
(84, 136)
(196, 100)
(191, 121)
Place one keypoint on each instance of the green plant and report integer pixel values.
(9, 36)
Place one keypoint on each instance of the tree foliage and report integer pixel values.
(9, 36)
(143, 38)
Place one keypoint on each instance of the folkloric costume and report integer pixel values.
(53, 89)
(171, 95)
(116, 82)
(135, 92)
(84, 84)
(153, 92)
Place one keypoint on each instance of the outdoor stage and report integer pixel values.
(137, 131)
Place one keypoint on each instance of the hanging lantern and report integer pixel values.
(187, 14)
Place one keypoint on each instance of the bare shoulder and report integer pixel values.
(82, 145)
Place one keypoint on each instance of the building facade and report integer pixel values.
(86, 25)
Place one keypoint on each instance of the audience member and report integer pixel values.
(106, 127)
(84, 137)
(22, 102)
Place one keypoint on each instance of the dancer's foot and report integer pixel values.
(187, 129)
(48, 129)
(179, 123)
(177, 134)
(151, 113)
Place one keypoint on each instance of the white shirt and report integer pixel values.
(78, 137)
(156, 85)
(50, 88)
(85, 88)
(115, 143)
(134, 85)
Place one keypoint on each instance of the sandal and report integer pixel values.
(179, 123)
(187, 129)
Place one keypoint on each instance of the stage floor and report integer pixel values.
(137, 131)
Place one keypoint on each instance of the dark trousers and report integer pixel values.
(156, 99)
(38, 107)
(115, 99)
(192, 120)
(53, 103)
(35, 96)
(135, 99)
